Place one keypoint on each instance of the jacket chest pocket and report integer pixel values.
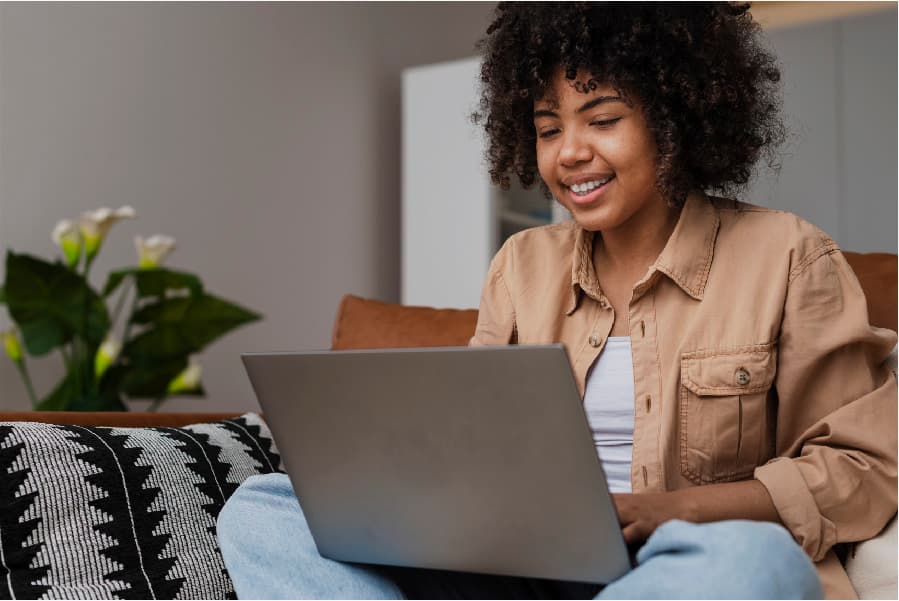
(723, 412)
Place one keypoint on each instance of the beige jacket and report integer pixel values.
(753, 358)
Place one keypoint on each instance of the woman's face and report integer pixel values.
(597, 155)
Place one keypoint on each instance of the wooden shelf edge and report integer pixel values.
(522, 219)
(780, 15)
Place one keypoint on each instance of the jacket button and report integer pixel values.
(594, 340)
(742, 377)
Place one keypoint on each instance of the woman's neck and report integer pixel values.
(634, 246)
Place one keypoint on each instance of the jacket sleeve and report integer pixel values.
(496, 314)
(834, 477)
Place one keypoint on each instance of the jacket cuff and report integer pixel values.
(796, 506)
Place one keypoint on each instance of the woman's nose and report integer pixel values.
(575, 149)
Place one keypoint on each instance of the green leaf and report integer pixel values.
(183, 326)
(2, 295)
(150, 380)
(154, 282)
(51, 304)
(166, 311)
(43, 334)
(101, 402)
(66, 397)
(114, 279)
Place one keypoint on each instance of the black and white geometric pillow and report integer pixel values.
(102, 513)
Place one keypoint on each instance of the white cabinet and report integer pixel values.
(453, 219)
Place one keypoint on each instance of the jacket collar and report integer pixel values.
(686, 258)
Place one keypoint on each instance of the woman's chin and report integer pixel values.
(595, 219)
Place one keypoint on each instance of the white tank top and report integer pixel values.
(609, 404)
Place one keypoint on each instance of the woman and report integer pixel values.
(731, 379)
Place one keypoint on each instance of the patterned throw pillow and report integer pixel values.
(101, 513)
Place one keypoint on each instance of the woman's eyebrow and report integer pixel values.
(545, 113)
(596, 101)
(584, 107)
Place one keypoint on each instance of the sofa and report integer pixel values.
(103, 505)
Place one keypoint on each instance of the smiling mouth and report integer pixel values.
(583, 189)
(586, 192)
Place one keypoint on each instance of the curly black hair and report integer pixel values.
(709, 89)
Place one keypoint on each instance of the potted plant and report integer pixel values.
(170, 317)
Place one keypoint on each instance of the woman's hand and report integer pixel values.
(640, 514)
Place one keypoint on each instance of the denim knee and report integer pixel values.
(761, 557)
(270, 553)
(761, 545)
(257, 511)
(772, 551)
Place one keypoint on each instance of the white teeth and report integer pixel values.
(588, 186)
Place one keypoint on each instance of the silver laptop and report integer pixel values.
(469, 459)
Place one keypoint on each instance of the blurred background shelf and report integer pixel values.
(774, 15)
(524, 220)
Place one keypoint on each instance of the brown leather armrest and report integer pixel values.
(122, 419)
(366, 324)
(876, 272)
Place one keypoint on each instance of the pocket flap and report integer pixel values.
(727, 372)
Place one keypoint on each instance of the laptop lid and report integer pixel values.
(470, 459)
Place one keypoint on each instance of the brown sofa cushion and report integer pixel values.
(877, 274)
(118, 419)
(364, 324)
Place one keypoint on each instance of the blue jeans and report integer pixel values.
(270, 554)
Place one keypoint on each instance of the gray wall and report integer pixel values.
(264, 137)
(839, 166)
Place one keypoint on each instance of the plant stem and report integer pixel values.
(129, 322)
(87, 265)
(154, 406)
(126, 286)
(66, 359)
(87, 364)
(74, 366)
(27, 379)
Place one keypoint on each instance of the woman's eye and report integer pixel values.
(606, 122)
(548, 133)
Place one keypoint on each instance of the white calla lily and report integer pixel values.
(188, 380)
(106, 355)
(12, 344)
(153, 251)
(94, 226)
(66, 236)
